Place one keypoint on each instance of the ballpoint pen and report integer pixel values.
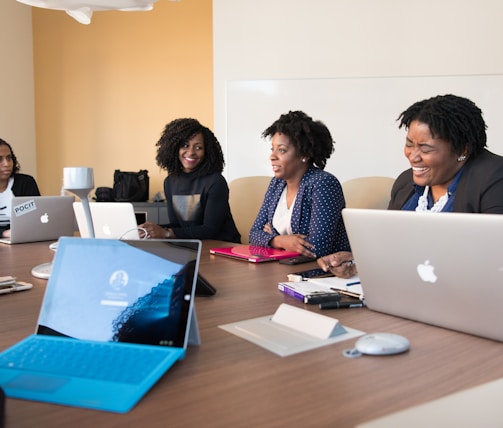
(347, 293)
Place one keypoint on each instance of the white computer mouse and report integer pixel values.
(382, 344)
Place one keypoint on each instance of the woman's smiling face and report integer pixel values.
(191, 153)
(433, 161)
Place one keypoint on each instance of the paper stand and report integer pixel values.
(292, 330)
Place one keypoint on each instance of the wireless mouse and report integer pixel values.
(382, 344)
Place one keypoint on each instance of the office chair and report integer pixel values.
(246, 195)
(368, 192)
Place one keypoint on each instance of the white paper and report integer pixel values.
(332, 282)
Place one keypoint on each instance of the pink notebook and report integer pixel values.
(253, 253)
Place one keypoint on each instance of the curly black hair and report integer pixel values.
(178, 132)
(310, 137)
(17, 166)
(455, 119)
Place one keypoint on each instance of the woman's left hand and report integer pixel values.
(295, 243)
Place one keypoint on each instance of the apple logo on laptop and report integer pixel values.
(107, 230)
(44, 218)
(426, 272)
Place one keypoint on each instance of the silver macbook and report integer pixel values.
(444, 269)
(111, 220)
(40, 218)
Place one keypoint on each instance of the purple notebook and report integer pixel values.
(254, 253)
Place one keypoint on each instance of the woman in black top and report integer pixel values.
(197, 194)
(12, 183)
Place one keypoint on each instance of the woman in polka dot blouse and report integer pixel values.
(302, 206)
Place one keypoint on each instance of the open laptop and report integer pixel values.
(111, 220)
(117, 220)
(40, 218)
(253, 253)
(444, 269)
(116, 316)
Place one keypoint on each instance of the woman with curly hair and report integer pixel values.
(451, 169)
(12, 183)
(197, 194)
(302, 207)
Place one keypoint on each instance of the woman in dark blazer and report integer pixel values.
(451, 168)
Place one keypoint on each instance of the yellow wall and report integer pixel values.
(17, 108)
(104, 92)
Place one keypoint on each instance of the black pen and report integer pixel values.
(340, 305)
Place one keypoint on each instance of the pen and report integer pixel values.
(340, 305)
(347, 293)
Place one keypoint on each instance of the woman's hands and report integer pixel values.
(149, 230)
(341, 264)
(295, 243)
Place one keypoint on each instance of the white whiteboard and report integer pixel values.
(361, 114)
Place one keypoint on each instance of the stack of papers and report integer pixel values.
(350, 286)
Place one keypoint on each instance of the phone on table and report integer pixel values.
(313, 273)
(297, 260)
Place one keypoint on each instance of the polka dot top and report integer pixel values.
(316, 213)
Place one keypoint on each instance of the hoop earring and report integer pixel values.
(461, 158)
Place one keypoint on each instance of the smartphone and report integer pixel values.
(313, 273)
(297, 260)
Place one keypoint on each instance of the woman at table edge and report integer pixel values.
(12, 183)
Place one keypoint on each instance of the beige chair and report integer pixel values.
(246, 195)
(368, 192)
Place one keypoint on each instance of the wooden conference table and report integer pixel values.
(230, 382)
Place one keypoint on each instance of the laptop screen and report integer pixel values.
(137, 291)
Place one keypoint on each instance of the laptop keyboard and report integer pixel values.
(91, 360)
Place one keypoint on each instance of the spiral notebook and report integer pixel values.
(116, 316)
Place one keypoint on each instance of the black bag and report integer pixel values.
(131, 186)
(104, 194)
